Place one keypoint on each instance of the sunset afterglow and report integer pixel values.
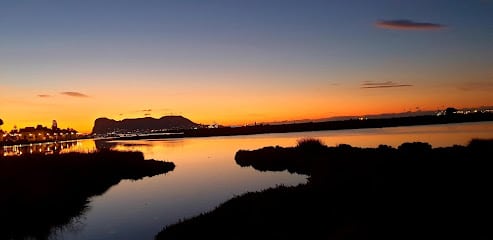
(240, 62)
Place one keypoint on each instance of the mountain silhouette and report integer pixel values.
(106, 125)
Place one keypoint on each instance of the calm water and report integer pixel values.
(206, 175)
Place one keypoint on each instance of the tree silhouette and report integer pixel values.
(1, 122)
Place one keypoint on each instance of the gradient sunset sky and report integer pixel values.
(239, 62)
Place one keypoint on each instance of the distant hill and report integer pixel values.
(376, 116)
(372, 116)
(106, 125)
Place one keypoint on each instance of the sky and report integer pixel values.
(240, 62)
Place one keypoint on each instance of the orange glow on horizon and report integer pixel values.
(245, 102)
(226, 115)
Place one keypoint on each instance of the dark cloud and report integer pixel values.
(147, 114)
(387, 84)
(408, 25)
(44, 95)
(146, 110)
(74, 94)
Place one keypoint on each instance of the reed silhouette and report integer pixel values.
(40, 193)
(410, 192)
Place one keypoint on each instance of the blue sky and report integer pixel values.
(47, 47)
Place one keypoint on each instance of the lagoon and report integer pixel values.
(206, 175)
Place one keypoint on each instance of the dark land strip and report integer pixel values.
(410, 192)
(319, 126)
(41, 194)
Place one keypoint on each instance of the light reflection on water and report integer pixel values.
(206, 175)
(47, 148)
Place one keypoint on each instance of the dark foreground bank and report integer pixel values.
(410, 192)
(41, 193)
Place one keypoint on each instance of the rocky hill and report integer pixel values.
(106, 125)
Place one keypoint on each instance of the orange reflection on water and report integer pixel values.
(437, 135)
(82, 146)
(47, 148)
(195, 148)
(206, 173)
(203, 161)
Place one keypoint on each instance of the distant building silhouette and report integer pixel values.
(450, 111)
(39, 133)
(54, 125)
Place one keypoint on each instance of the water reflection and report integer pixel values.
(206, 174)
(42, 194)
(104, 144)
(437, 135)
(46, 148)
(49, 148)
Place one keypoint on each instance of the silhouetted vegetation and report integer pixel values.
(310, 144)
(410, 192)
(42, 192)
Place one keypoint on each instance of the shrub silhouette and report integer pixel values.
(415, 147)
(410, 192)
(310, 144)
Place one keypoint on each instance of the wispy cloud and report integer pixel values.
(44, 95)
(387, 84)
(147, 112)
(476, 85)
(408, 25)
(74, 94)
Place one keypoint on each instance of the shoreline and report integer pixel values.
(292, 128)
(319, 126)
